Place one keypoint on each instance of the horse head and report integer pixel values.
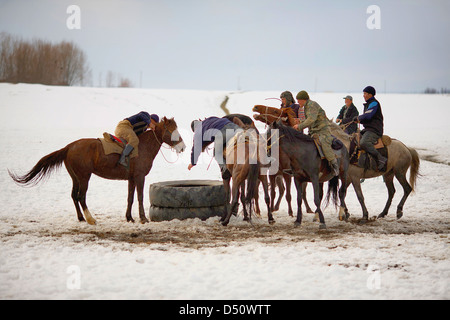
(170, 134)
(269, 115)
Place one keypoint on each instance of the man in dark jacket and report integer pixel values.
(372, 119)
(212, 129)
(347, 114)
(130, 128)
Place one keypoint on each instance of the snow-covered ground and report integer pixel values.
(45, 253)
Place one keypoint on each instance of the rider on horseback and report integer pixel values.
(317, 121)
(372, 119)
(130, 128)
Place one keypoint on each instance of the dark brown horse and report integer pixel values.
(269, 115)
(86, 156)
(307, 166)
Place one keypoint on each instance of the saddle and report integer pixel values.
(335, 145)
(112, 144)
(361, 159)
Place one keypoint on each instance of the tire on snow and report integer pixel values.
(186, 199)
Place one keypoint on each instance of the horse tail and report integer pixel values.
(252, 184)
(332, 192)
(43, 168)
(414, 170)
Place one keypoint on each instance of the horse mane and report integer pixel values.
(290, 134)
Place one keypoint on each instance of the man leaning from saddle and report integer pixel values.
(207, 131)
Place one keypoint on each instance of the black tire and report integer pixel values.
(187, 194)
(159, 214)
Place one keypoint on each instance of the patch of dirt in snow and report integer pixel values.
(195, 234)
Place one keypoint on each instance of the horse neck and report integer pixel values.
(151, 141)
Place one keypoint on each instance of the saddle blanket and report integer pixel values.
(112, 144)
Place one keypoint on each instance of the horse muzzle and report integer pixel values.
(180, 147)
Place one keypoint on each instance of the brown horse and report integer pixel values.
(86, 156)
(400, 159)
(269, 115)
(243, 162)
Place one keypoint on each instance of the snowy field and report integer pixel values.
(45, 253)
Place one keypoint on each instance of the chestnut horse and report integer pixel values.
(86, 156)
(269, 115)
(244, 164)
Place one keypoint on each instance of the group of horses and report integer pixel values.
(297, 158)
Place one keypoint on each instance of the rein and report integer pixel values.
(161, 145)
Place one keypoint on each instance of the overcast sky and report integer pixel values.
(250, 45)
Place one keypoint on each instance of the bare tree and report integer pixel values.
(40, 61)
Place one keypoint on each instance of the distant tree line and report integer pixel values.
(40, 61)
(434, 91)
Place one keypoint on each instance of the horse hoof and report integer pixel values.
(399, 214)
(381, 216)
(363, 221)
(271, 221)
(144, 220)
(297, 224)
(224, 223)
(130, 220)
(322, 226)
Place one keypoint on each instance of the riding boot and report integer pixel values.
(334, 167)
(124, 160)
(381, 162)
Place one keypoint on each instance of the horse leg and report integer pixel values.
(265, 184)
(318, 194)
(256, 198)
(389, 181)
(343, 211)
(316, 216)
(131, 189)
(272, 180)
(401, 177)
(308, 208)
(287, 181)
(241, 195)
(234, 200)
(75, 193)
(280, 184)
(226, 186)
(298, 186)
(84, 183)
(140, 195)
(357, 187)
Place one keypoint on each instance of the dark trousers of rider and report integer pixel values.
(367, 143)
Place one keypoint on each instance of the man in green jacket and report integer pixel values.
(317, 122)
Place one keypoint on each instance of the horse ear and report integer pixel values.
(164, 119)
